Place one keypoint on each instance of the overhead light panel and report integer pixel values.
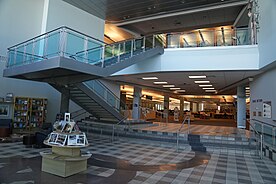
(205, 85)
(197, 76)
(202, 82)
(208, 88)
(160, 82)
(175, 88)
(168, 86)
(149, 78)
(247, 88)
(182, 90)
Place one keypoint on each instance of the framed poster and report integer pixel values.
(267, 109)
(4, 110)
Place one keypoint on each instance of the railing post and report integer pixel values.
(273, 136)
(119, 52)
(261, 150)
(131, 51)
(62, 41)
(103, 51)
(144, 44)
(85, 47)
(112, 139)
(177, 136)
(189, 123)
(153, 41)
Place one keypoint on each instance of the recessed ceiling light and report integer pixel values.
(208, 88)
(175, 88)
(197, 76)
(182, 90)
(160, 82)
(247, 88)
(205, 85)
(149, 78)
(168, 86)
(202, 82)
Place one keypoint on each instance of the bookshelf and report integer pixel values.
(29, 112)
(38, 111)
(21, 112)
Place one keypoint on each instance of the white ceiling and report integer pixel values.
(225, 82)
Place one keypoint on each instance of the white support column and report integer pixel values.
(241, 107)
(136, 103)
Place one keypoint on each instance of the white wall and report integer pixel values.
(267, 33)
(19, 20)
(199, 59)
(61, 13)
(263, 88)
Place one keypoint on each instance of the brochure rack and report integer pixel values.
(66, 158)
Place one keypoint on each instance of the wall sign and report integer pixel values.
(267, 109)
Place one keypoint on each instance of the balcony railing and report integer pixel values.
(268, 131)
(208, 38)
(70, 43)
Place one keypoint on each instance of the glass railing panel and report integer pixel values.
(52, 45)
(173, 40)
(160, 40)
(38, 50)
(11, 58)
(128, 46)
(74, 44)
(207, 38)
(258, 127)
(95, 55)
(111, 99)
(108, 51)
(241, 37)
(149, 42)
(190, 39)
(19, 59)
(267, 133)
(138, 45)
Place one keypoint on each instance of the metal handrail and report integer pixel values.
(260, 141)
(188, 119)
(62, 27)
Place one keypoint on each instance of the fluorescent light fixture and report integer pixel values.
(160, 82)
(175, 88)
(208, 88)
(149, 78)
(197, 76)
(205, 85)
(247, 88)
(182, 90)
(202, 82)
(168, 86)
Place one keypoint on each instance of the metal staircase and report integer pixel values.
(66, 58)
(96, 99)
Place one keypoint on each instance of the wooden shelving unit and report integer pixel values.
(29, 112)
(21, 112)
(38, 110)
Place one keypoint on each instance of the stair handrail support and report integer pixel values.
(260, 141)
(188, 119)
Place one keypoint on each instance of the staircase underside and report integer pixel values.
(61, 70)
